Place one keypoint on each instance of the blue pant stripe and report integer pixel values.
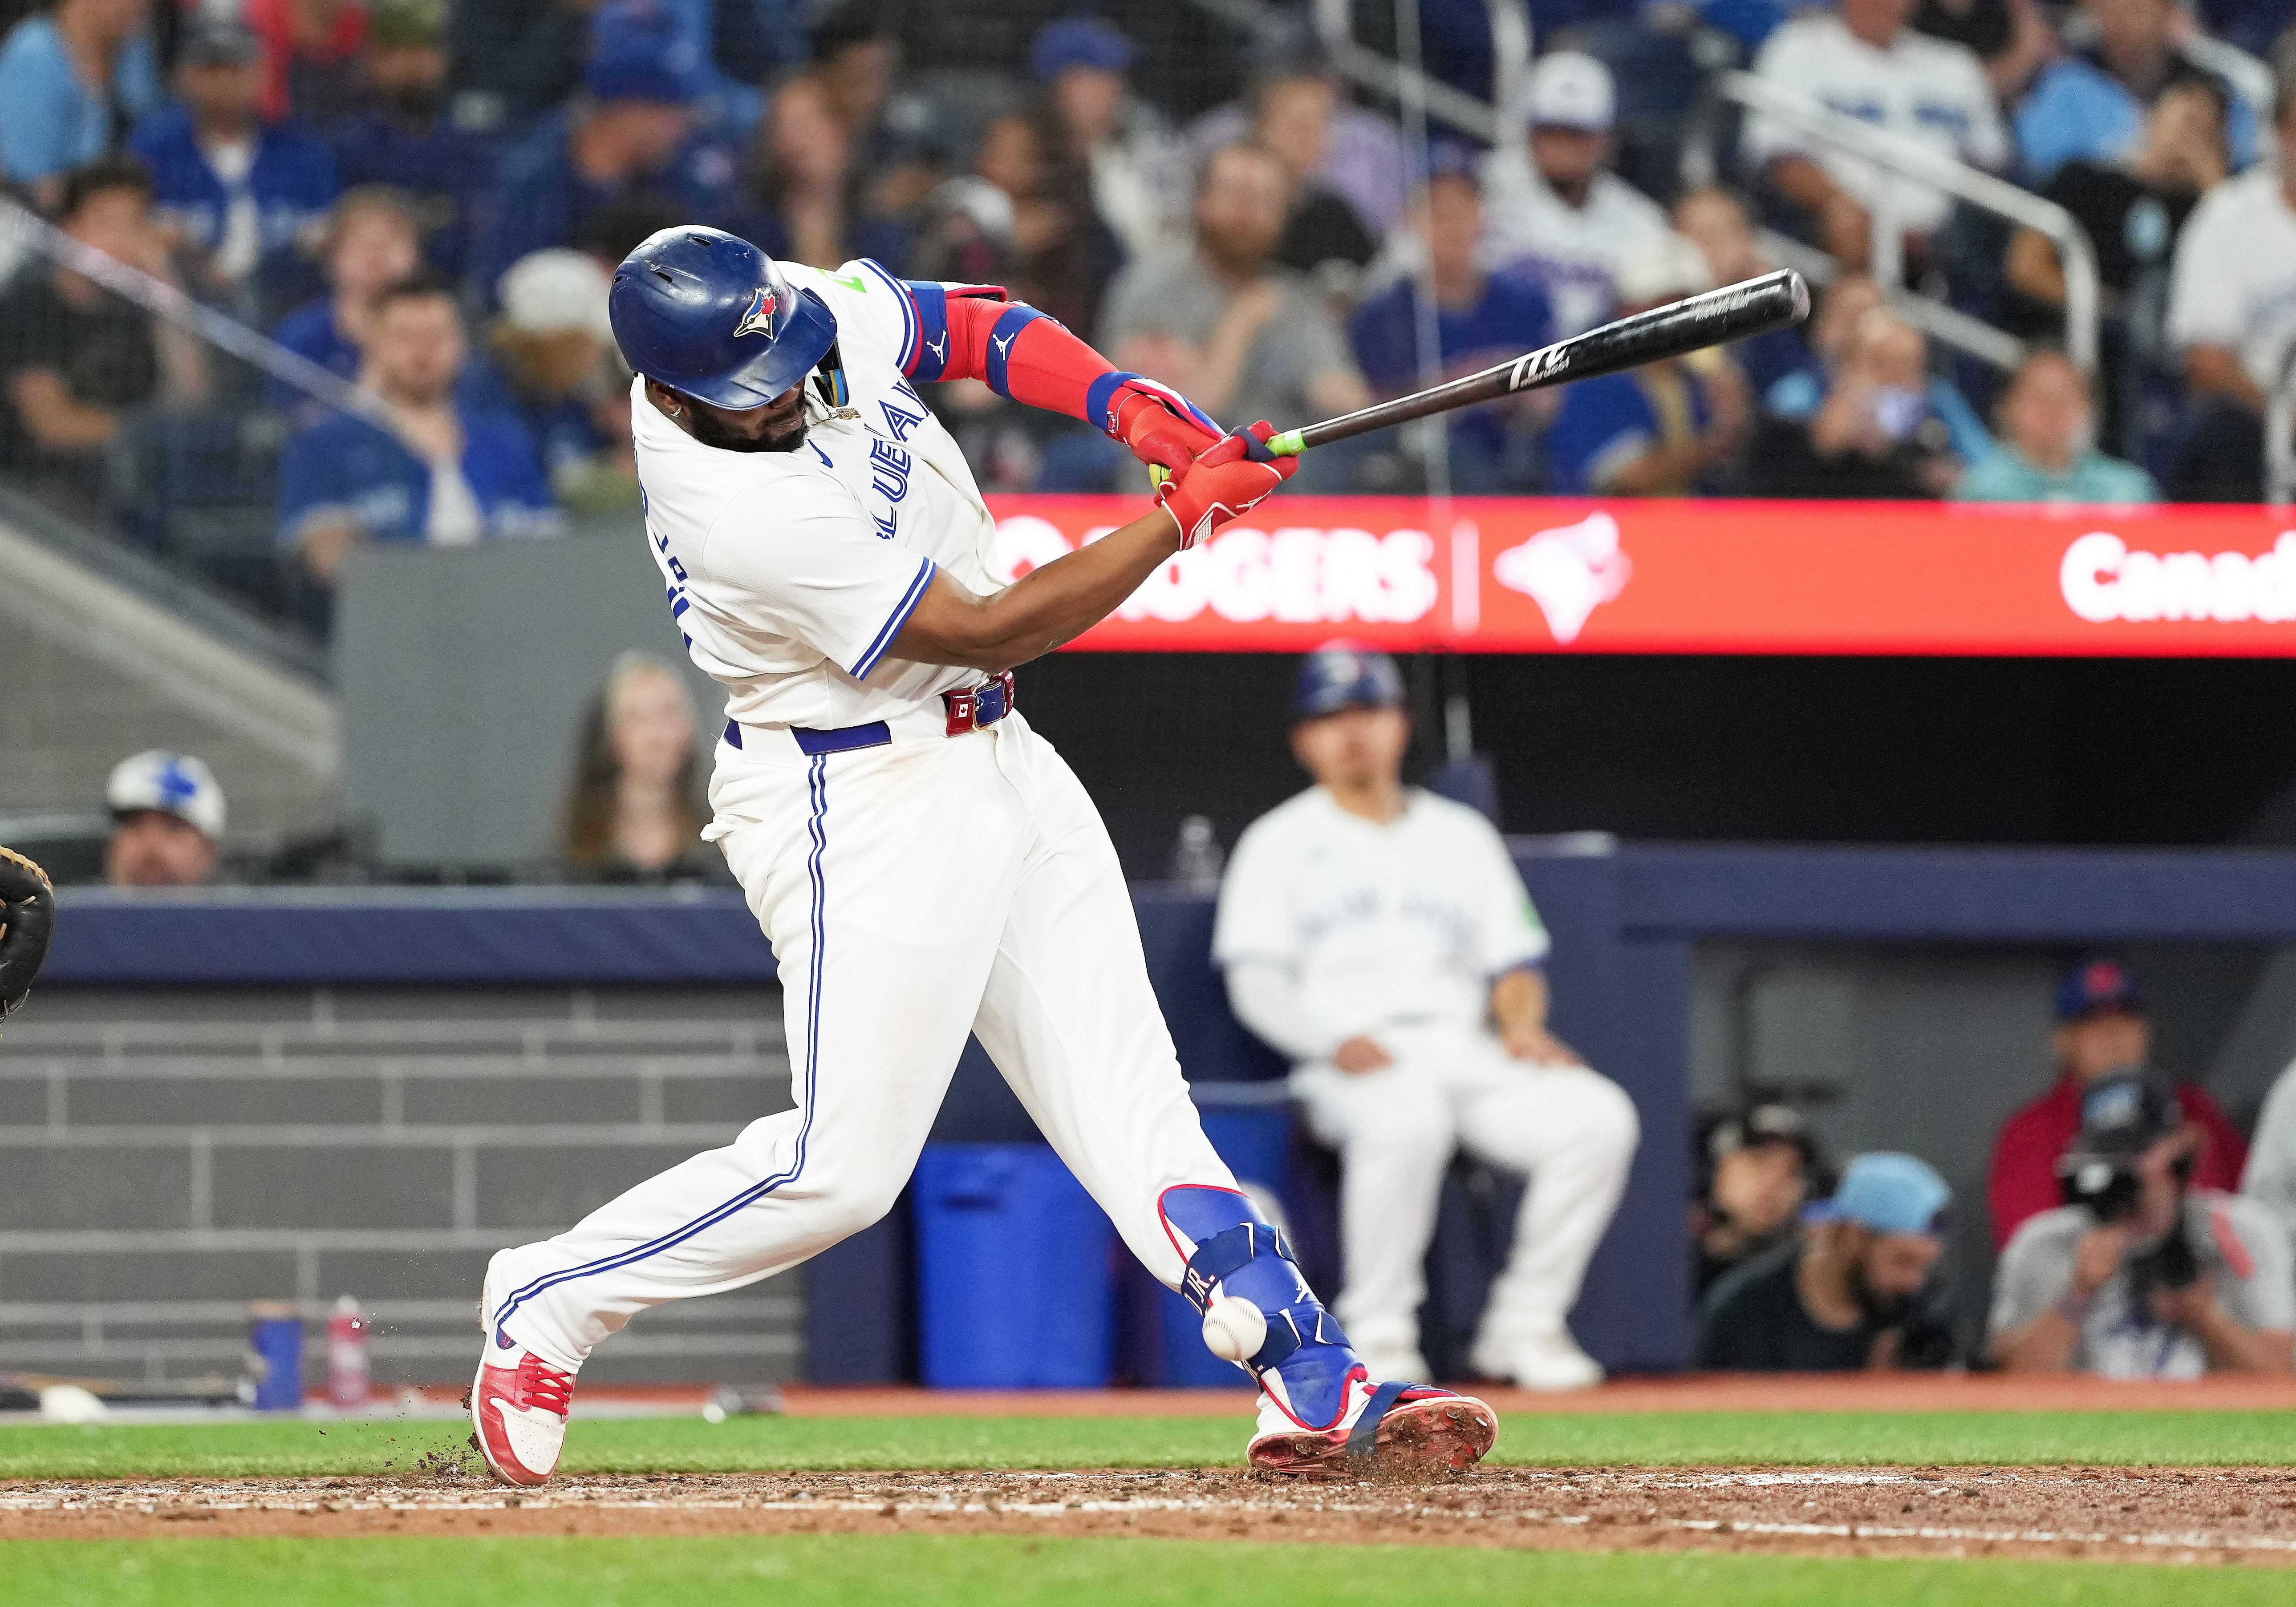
(817, 792)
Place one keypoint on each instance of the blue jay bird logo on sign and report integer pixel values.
(757, 318)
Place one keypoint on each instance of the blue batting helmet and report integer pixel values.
(709, 316)
(1345, 675)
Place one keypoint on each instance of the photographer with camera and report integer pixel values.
(2104, 1028)
(2139, 1274)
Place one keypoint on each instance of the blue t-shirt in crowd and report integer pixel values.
(445, 170)
(1800, 394)
(345, 464)
(1604, 423)
(563, 431)
(2076, 111)
(540, 201)
(310, 331)
(49, 123)
(1514, 317)
(292, 180)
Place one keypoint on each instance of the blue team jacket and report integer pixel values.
(293, 179)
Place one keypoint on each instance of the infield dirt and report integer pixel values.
(2242, 1516)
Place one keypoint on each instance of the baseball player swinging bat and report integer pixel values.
(1751, 308)
(925, 866)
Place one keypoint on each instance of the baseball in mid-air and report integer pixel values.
(1233, 1328)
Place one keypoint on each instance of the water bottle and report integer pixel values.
(1197, 858)
(346, 1370)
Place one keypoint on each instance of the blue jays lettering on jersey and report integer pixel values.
(791, 573)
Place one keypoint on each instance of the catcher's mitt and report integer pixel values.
(28, 916)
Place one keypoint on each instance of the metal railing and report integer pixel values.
(29, 232)
(2280, 435)
(1906, 159)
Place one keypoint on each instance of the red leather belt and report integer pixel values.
(979, 706)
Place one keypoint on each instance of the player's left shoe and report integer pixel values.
(519, 1402)
(519, 1407)
(1388, 1430)
(1321, 1413)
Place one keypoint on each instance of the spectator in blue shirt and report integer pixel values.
(1665, 429)
(372, 242)
(633, 131)
(1796, 396)
(2091, 105)
(1480, 318)
(442, 473)
(243, 193)
(406, 140)
(51, 119)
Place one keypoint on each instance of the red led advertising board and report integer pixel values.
(1534, 575)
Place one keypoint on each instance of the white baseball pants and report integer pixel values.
(1571, 1129)
(913, 892)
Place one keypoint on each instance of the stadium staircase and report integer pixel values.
(172, 1156)
(102, 654)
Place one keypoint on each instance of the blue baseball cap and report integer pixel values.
(1069, 42)
(1345, 675)
(635, 56)
(2096, 986)
(1887, 1191)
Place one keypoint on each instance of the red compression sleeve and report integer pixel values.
(972, 333)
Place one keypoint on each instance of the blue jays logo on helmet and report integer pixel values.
(709, 316)
(758, 319)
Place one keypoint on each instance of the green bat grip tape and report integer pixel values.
(1289, 444)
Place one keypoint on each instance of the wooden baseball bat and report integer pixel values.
(1732, 313)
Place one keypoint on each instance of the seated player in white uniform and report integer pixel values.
(1380, 936)
(924, 865)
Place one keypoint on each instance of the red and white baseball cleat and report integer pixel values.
(519, 1405)
(1389, 1429)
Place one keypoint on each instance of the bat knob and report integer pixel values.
(1798, 288)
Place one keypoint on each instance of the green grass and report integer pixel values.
(1014, 1571)
(688, 1445)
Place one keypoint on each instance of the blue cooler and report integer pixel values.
(1014, 1285)
(1256, 1142)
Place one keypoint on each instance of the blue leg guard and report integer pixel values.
(1238, 1254)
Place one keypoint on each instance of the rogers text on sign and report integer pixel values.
(1297, 575)
(2102, 580)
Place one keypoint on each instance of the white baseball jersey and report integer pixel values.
(1931, 91)
(791, 573)
(1380, 926)
(2233, 283)
(1577, 251)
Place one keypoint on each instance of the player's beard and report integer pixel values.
(710, 432)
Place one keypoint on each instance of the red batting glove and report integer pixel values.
(1161, 426)
(1227, 480)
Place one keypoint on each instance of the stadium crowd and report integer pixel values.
(330, 171)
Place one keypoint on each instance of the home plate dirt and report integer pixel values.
(2244, 1516)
